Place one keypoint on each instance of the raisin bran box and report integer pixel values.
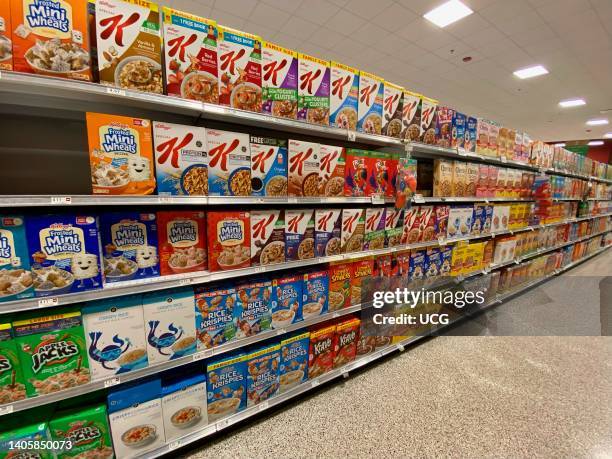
(339, 285)
(352, 232)
(267, 237)
(314, 293)
(313, 90)
(226, 385)
(343, 97)
(253, 311)
(328, 224)
(331, 173)
(345, 341)
(411, 116)
(286, 300)
(214, 315)
(294, 360)
(279, 81)
(459, 133)
(428, 120)
(393, 226)
(12, 385)
(470, 134)
(182, 241)
(183, 404)
(190, 52)
(299, 234)
(6, 45)
(262, 373)
(392, 110)
(444, 126)
(15, 274)
(355, 173)
(360, 270)
(304, 167)
(268, 166)
(229, 240)
(370, 109)
(229, 163)
(321, 351)
(374, 231)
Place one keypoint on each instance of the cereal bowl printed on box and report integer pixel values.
(139, 72)
(246, 96)
(347, 119)
(311, 310)
(186, 417)
(51, 280)
(187, 260)
(282, 318)
(201, 86)
(291, 379)
(194, 180)
(139, 436)
(52, 57)
(222, 408)
(6, 49)
(119, 268)
(277, 186)
(240, 182)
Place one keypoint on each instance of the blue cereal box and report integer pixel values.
(433, 263)
(294, 360)
(470, 134)
(478, 220)
(488, 218)
(343, 96)
(64, 253)
(15, 275)
(286, 301)
(253, 311)
(459, 133)
(129, 244)
(268, 166)
(416, 270)
(315, 293)
(446, 254)
(214, 313)
(226, 384)
(262, 373)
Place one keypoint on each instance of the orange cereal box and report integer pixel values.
(50, 37)
(120, 154)
(229, 240)
(6, 45)
(361, 269)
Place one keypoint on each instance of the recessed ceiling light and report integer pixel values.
(608, 135)
(597, 122)
(572, 103)
(560, 144)
(447, 13)
(595, 143)
(531, 72)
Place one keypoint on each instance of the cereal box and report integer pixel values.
(411, 116)
(332, 170)
(370, 108)
(6, 45)
(486, 228)
(262, 374)
(226, 381)
(129, 242)
(328, 224)
(482, 183)
(444, 126)
(181, 159)
(64, 253)
(343, 97)
(493, 138)
(427, 223)
(304, 167)
(378, 182)
(267, 237)
(12, 387)
(356, 173)
(374, 231)
(459, 133)
(120, 154)
(416, 270)
(49, 38)
(482, 142)
(321, 351)
(445, 260)
(518, 147)
(239, 63)
(441, 227)
(279, 81)
(314, 293)
(428, 120)
(214, 315)
(128, 39)
(492, 183)
(471, 172)
(299, 234)
(471, 134)
(345, 341)
(478, 219)
(460, 221)
(184, 405)
(182, 241)
(229, 163)
(253, 311)
(502, 139)
(268, 166)
(286, 300)
(15, 275)
(115, 336)
(51, 351)
(459, 178)
(501, 217)
(392, 110)
(502, 181)
(411, 225)
(313, 89)
(405, 182)
(393, 226)
(433, 262)
(353, 226)
(443, 178)
(229, 240)
(339, 285)
(24, 428)
(361, 269)
(294, 361)
(190, 52)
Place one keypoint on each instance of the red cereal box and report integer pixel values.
(492, 182)
(229, 240)
(392, 172)
(482, 184)
(321, 350)
(355, 173)
(339, 285)
(6, 47)
(383, 266)
(378, 181)
(442, 212)
(427, 224)
(400, 264)
(182, 241)
(345, 341)
(331, 170)
(361, 269)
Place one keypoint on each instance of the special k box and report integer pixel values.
(49, 37)
(313, 89)
(374, 231)
(331, 172)
(428, 120)
(279, 81)
(6, 45)
(369, 112)
(120, 154)
(353, 227)
(190, 56)
(229, 163)
(304, 165)
(392, 110)
(343, 96)
(328, 224)
(182, 241)
(299, 234)
(229, 240)
(268, 166)
(411, 116)
(267, 237)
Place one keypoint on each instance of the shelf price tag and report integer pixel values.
(8, 409)
(400, 347)
(264, 405)
(112, 382)
(378, 200)
(292, 200)
(462, 152)
(281, 331)
(335, 315)
(351, 135)
(223, 423)
(314, 383)
(202, 355)
(185, 281)
(61, 200)
(164, 199)
(503, 159)
(418, 198)
(45, 302)
(115, 91)
(174, 445)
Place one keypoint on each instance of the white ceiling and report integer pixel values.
(571, 38)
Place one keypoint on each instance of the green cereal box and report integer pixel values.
(23, 429)
(52, 351)
(88, 431)
(11, 380)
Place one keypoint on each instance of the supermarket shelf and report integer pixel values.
(599, 199)
(428, 199)
(566, 199)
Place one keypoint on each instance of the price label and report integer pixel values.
(45, 302)
(186, 281)
(408, 148)
(112, 382)
(164, 199)
(442, 241)
(259, 269)
(400, 347)
(462, 152)
(351, 135)
(223, 423)
(503, 159)
(314, 383)
(531, 228)
(418, 198)
(264, 405)
(516, 261)
(115, 91)
(292, 200)
(335, 315)
(61, 200)
(486, 201)
(7, 409)
(281, 331)
(378, 200)
(202, 355)
(344, 372)
(174, 445)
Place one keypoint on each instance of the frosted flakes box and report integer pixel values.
(229, 240)
(15, 276)
(416, 270)
(429, 108)
(6, 44)
(471, 134)
(370, 110)
(304, 166)
(226, 383)
(374, 231)
(190, 56)
(293, 361)
(181, 159)
(411, 116)
(392, 110)
(345, 341)
(182, 241)
(279, 81)
(262, 373)
(352, 233)
(459, 133)
(343, 97)
(12, 385)
(321, 351)
(129, 243)
(444, 126)
(267, 237)
(115, 336)
(433, 262)
(355, 173)
(214, 314)
(64, 253)
(331, 173)
(229, 163)
(313, 89)
(50, 38)
(268, 166)
(339, 285)
(253, 310)
(328, 223)
(183, 400)
(239, 62)
(299, 234)
(393, 226)
(128, 39)
(286, 301)
(314, 293)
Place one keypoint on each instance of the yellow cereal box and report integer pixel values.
(6, 45)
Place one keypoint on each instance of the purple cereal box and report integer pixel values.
(279, 81)
(299, 234)
(470, 134)
(328, 225)
(313, 90)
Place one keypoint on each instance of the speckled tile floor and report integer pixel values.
(453, 396)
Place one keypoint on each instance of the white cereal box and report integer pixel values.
(411, 116)
(304, 165)
(392, 110)
(267, 237)
(313, 89)
(268, 166)
(429, 109)
(229, 163)
(370, 110)
(184, 405)
(332, 168)
(279, 81)
(343, 98)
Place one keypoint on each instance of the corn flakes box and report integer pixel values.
(190, 56)
(331, 173)
(471, 136)
(262, 373)
(314, 293)
(6, 44)
(321, 351)
(120, 154)
(393, 226)
(429, 110)
(411, 116)
(343, 98)
(268, 166)
(374, 231)
(287, 301)
(64, 253)
(226, 382)
(370, 109)
(183, 400)
(239, 62)
(328, 223)
(345, 341)
(355, 173)
(360, 270)
(214, 315)
(304, 166)
(339, 285)
(293, 368)
(299, 234)
(253, 311)
(229, 240)
(229, 163)
(392, 110)
(267, 237)
(15, 276)
(26, 430)
(182, 241)
(130, 245)
(181, 159)
(52, 352)
(12, 385)
(279, 81)
(313, 89)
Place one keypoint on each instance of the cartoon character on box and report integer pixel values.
(378, 175)
(356, 173)
(294, 361)
(226, 384)
(214, 316)
(15, 276)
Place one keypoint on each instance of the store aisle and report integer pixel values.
(453, 395)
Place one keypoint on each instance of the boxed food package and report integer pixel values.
(502, 139)
(442, 212)
(6, 44)
(416, 269)
(268, 166)
(339, 285)
(190, 56)
(229, 163)
(15, 274)
(459, 178)
(482, 141)
(504, 250)
(226, 384)
(182, 241)
(392, 110)
(493, 138)
(328, 229)
(411, 226)
(486, 228)
(482, 183)
(472, 176)
(374, 231)
(12, 385)
(181, 159)
(267, 237)
(343, 96)
(25, 429)
(433, 262)
(471, 125)
(128, 40)
(446, 254)
(428, 120)
(444, 126)
(479, 219)
(253, 310)
(353, 226)
(345, 341)
(239, 63)
(299, 234)
(443, 178)
(262, 373)
(355, 173)
(459, 133)
(427, 223)
(183, 400)
(460, 221)
(287, 296)
(304, 167)
(362, 269)
(457, 257)
(501, 218)
(492, 182)
(370, 109)
(214, 315)
(518, 147)
(229, 240)
(321, 351)
(405, 182)
(293, 368)
(332, 169)
(279, 81)
(120, 154)
(502, 181)
(313, 89)
(411, 116)
(314, 293)
(379, 176)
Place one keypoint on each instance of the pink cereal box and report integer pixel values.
(279, 80)
(304, 168)
(313, 89)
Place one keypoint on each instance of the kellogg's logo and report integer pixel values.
(308, 79)
(347, 338)
(324, 221)
(390, 102)
(297, 161)
(328, 160)
(114, 25)
(373, 220)
(119, 140)
(271, 70)
(228, 60)
(347, 225)
(260, 228)
(259, 160)
(49, 14)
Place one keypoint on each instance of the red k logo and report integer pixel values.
(219, 154)
(260, 228)
(179, 44)
(390, 101)
(271, 70)
(327, 160)
(408, 109)
(308, 79)
(259, 160)
(324, 220)
(371, 223)
(339, 84)
(365, 93)
(426, 115)
(228, 60)
(294, 223)
(171, 148)
(297, 162)
(349, 222)
(114, 25)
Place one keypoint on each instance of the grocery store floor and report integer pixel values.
(503, 396)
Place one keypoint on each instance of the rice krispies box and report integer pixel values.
(429, 108)
(411, 116)
(321, 351)
(268, 166)
(182, 241)
(286, 300)
(214, 315)
(267, 237)
(253, 311)
(328, 224)
(393, 226)
(294, 361)
(181, 159)
(229, 163)
(355, 173)
(444, 126)
(314, 293)
(6, 45)
(226, 383)
(15, 275)
(374, 231)
(229, 240)
(370, 108)
(299, 234)
(304, 167)
(343, 97)
(64, 253)
(279, 81)
(392, 110)
(352, 232)
(313, 90)
(262, 373)
(12, 387)
(339, 285)
(331, 173)
(345, 341)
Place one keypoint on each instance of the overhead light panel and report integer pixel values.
(597, 122)
(562, 144)
(595, 143)
(447, 13)
(531, 72)
(572, 103)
